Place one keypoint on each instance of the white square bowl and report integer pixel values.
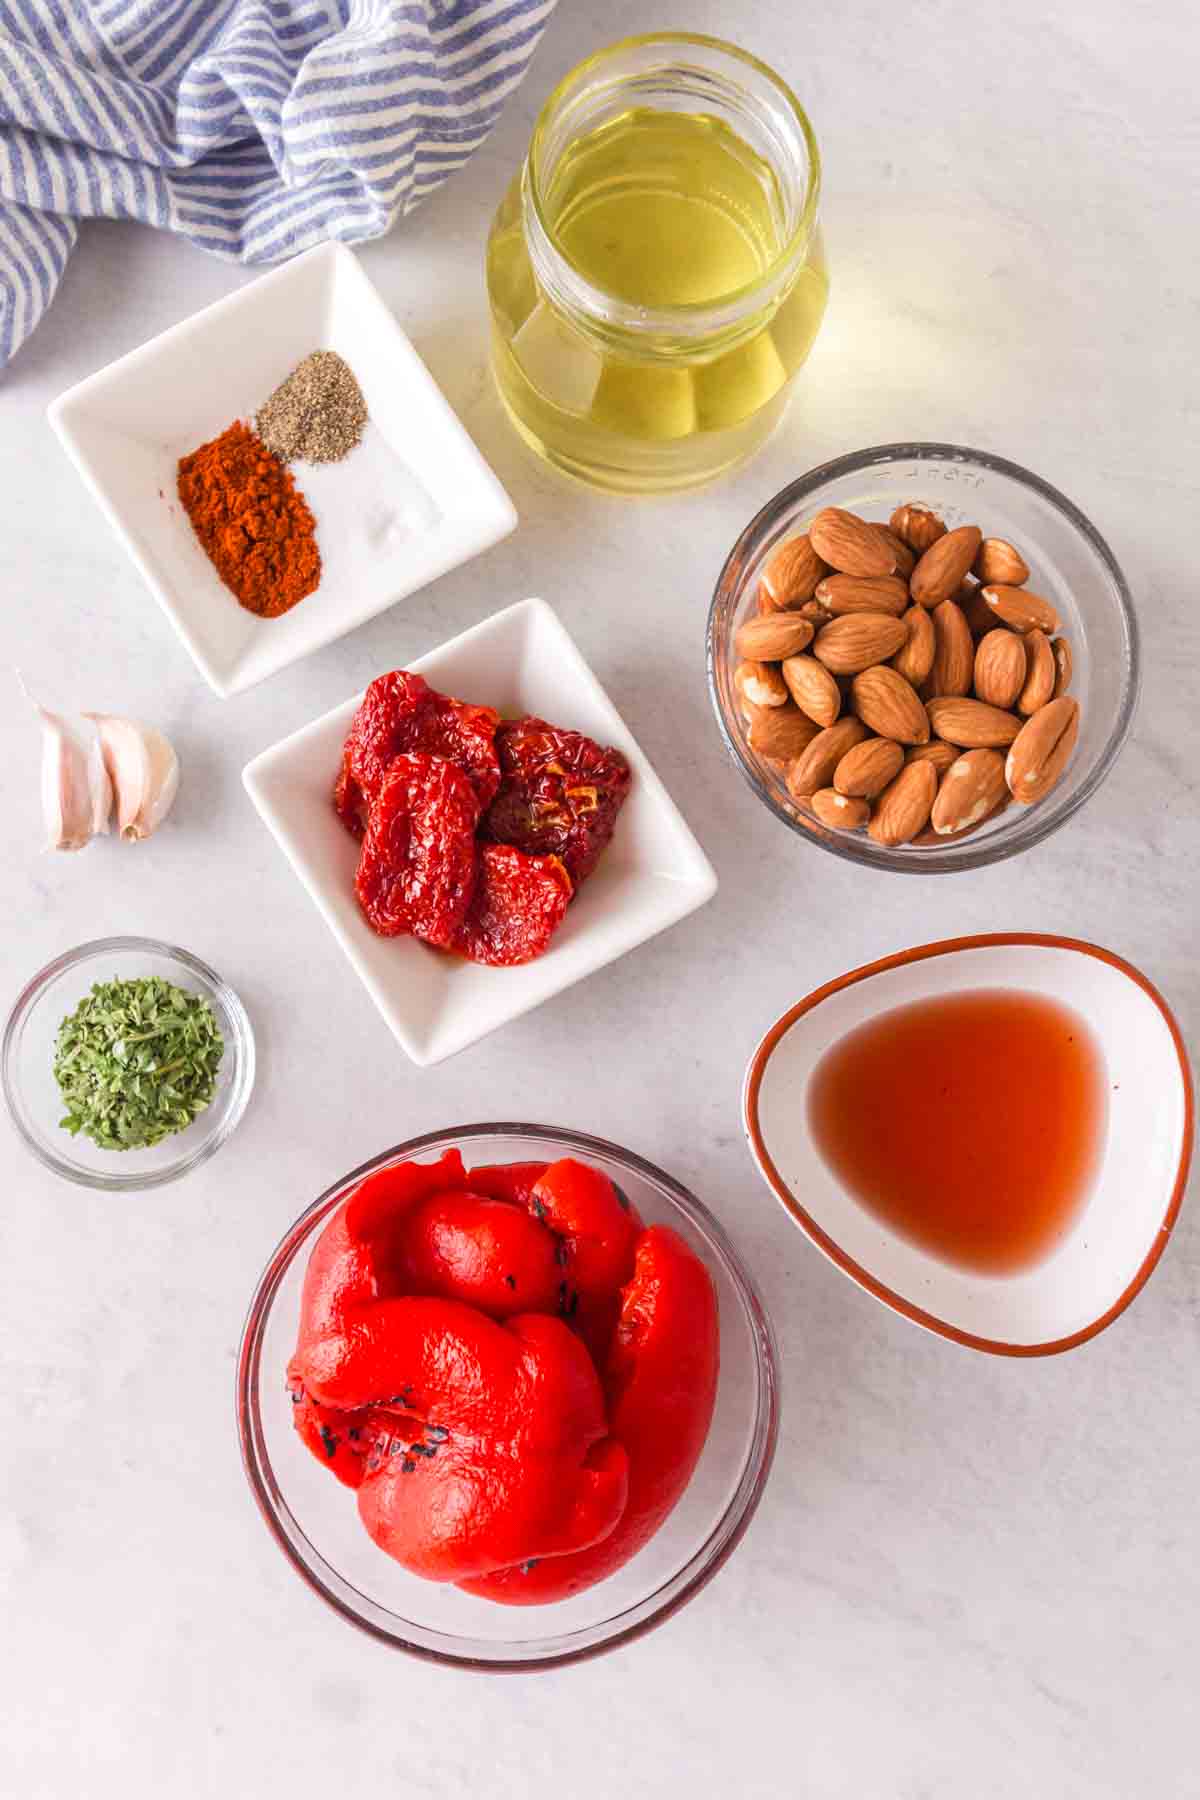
(652, 874)
(412, 500)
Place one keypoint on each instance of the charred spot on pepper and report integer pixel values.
(407, 1466)
(527, 1568)
(562, 1254)
(439, 1433)
(510, 1281)
(329, 1441)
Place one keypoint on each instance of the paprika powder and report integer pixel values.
(252, 520)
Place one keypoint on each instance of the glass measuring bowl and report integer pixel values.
(655, 271)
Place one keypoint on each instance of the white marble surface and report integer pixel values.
(968, 1576)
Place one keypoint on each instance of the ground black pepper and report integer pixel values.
(317, 414)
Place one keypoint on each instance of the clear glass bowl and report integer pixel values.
(1070, 563)
(314, 1519)
(35, 1103)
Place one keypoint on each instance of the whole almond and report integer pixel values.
(858, 641)
(1039, 682)
(760, 683)
(845, 812)
(972, 787)
(930, 836)
(997, 560)
(953, 668)
(906, 560)
(937, 752)
(917, 526)
(939, 573)
(903, 808)
(792, 573)
(866, 770)
(780, 733)
(814, 767)
(1020, 609)
(972, 724)
(1043, 749)
(889, 705)
(813, 688)
(772, 637)
(863, 593)
(914, 659)
(1000, 667)
(1063, 665)
(850, 545)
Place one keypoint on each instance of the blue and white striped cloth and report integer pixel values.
(253, 127)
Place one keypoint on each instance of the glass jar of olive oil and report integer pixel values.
(655, 271)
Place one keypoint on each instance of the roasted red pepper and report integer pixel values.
(446, 1367)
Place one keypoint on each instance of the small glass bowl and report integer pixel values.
(1071, 564)
(35, 1103)
(314, 1518)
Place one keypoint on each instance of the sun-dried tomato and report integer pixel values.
(417, 868)
(518, 905)
(559, 794)
(401, 714)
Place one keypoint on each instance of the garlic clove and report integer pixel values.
(100, 794)
(68, 805)
(143, 769)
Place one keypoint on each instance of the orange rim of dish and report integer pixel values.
(848, 1265)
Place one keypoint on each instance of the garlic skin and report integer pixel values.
(76, 794)
(144, 772)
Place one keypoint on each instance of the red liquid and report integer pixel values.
(971, 1123)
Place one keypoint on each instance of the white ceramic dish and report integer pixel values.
(1108, 1254)
(414, 499)
(652, 874)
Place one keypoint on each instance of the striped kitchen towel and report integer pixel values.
(253, 127)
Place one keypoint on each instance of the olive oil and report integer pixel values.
(653, 209)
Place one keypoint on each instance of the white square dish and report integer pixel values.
(652, 874)
(412, 500)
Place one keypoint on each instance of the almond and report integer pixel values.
(917, 526)
(858, 641)
(996, 560)
(1000, 666)
(848, 544)
(972, 787)
(953, 667)
(814, 767)
(1063, 665)
(844, 812)
(904, 806)
(1039, 682)
(1041, 752)
(780, 733)
(813, 688)
(972, 724)
(772, 637)
(889, 705)
(930, 836)
(760, 683)
(791, 574)
(1022, 610)
(939, 574)
(866, 770)
(863, 593)
(914, 659)
(906, 561)
(940, 754)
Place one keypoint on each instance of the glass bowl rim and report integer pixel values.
(700, 316)
(241, 1048)
(704, 1561)
(1040, 822)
